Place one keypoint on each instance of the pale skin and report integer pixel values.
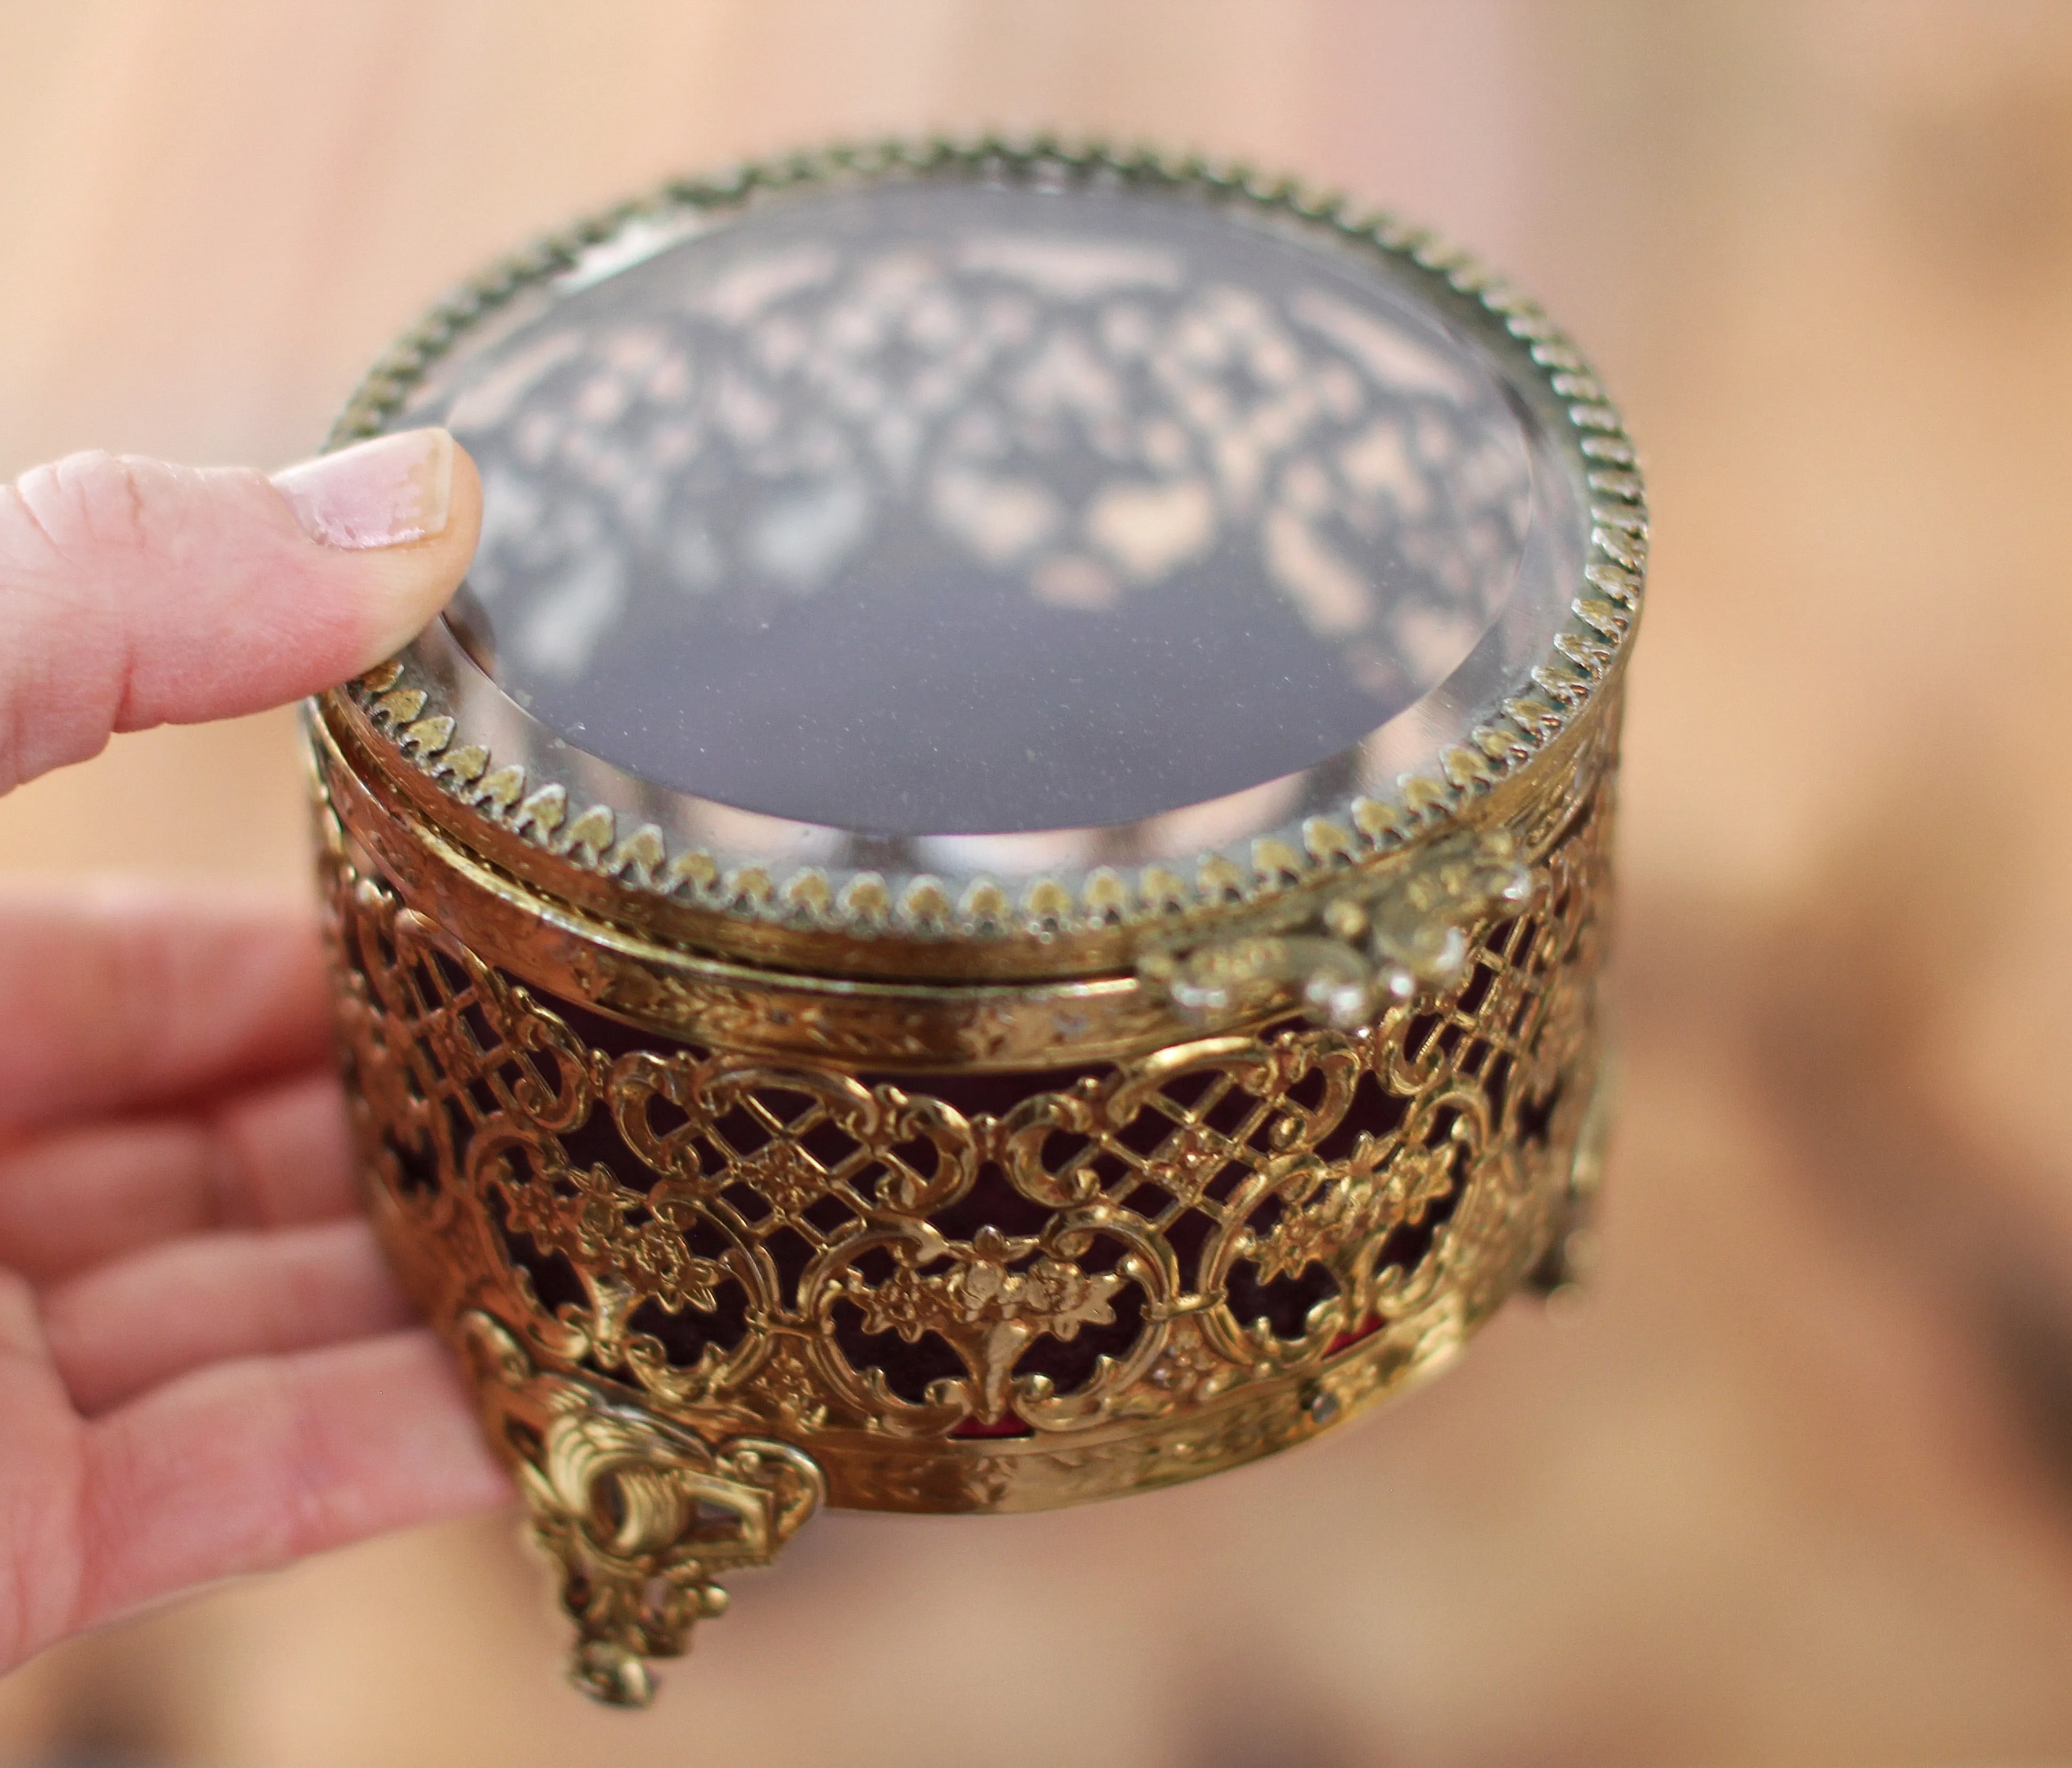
(205, 1370)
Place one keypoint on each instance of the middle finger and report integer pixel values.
(273, 1156)
(133, 1324)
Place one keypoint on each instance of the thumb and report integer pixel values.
(133, 593)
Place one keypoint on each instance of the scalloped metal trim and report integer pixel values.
(867, 905)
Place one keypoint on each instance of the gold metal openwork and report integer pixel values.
(681, 1270)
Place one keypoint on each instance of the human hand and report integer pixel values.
(204, 1367)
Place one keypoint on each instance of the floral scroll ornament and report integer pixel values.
(985, 1309)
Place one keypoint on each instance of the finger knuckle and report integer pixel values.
(92, 499)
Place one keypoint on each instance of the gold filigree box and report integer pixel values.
(992, 894)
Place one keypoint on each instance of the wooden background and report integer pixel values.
(1797, 1486)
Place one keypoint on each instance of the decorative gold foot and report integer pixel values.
(641, 1517)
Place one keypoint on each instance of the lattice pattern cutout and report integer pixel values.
(800, 1249)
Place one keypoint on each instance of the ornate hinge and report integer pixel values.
(641, 1517)
(1387, 937)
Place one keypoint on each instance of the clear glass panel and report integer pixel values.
(934, 508)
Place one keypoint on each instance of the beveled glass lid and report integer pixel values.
(1002, 542)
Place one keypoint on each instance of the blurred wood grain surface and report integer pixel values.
(1795, 1486)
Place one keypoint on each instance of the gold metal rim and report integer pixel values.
(810, 917)
(655, 973)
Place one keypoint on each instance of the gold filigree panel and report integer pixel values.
(976, 1291)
